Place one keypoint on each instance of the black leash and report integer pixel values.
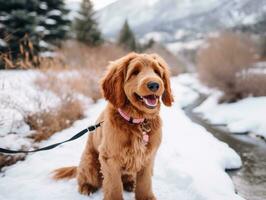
(78, 135)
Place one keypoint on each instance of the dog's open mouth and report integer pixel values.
(150, 101)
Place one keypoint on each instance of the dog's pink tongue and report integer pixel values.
(151, 101)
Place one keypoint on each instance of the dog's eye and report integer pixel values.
(135, 72)
(157, 72)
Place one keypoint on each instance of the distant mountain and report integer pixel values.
(168, 17)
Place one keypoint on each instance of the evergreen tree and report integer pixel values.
(126, 38)
(54, 23)
(85, 26)
(18, 20)
(26, 26)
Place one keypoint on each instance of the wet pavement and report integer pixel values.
(250, 180)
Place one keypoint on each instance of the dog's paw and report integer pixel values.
(146, 198)
(129, 186)
(87, 189)
(152, 198)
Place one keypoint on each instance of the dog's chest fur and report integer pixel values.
(135, 152)
(131, 150)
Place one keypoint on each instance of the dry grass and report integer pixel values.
(220, 62)
(76, 70)
(78, 55)
(47, 123)
(88, 62)
(25, 59)
(86, 65)
(7, 160)
(253, 84)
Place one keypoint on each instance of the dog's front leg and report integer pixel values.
(144, 183)
(112, 183)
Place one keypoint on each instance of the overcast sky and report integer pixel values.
(97, 3)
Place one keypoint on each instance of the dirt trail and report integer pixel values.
(250, 180)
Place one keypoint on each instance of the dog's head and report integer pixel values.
(140, 80)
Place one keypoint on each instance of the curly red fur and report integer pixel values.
(115, 156)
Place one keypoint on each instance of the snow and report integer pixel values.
(258, 68)
(184, 94)
(44, 44)
(190, 164)
(50, 21)
(40, 29)
(48, 54)
(19, 96)
(247, 115)
(54, 12)
(250, 19)
(145, 13)
(2, 42)
(180, 34)
(191, 81)
(156, 36)
(43, 5)
(180, 46)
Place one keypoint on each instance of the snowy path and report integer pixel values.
(189, 166)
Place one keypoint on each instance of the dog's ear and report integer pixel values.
(167, 97)
(113, 81)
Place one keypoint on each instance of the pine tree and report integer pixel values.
(126, 38)
(54, 23)
(85, 26)
(18, 21)
(26, 26)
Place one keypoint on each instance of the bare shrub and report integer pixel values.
(252, 84)
(76, 69)
(80, 81)
(52, 63)
(79, 55)
(80, 75)
(26, 57)
(88, 62)
(46, 123)
(222, 59)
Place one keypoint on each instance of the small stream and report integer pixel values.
(250, 180)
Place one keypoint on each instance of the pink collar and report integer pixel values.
(130, 119)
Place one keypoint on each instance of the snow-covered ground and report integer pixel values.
(20, 96)
(190, 164)
(246, 115)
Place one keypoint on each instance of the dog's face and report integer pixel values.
(139, 79)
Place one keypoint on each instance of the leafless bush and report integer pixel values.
(7, 160)
(46, 123)
(86, 65)
(25, 58)
(222, 59)
(78, 55)
(253, 84)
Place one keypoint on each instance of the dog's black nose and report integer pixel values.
(153, 86)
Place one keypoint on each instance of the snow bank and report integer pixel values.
(191, 83)
(190, 164)
(181, 46)
(19, 96)
(247, 115)
(184, 94)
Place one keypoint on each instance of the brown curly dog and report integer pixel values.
(120, 154)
